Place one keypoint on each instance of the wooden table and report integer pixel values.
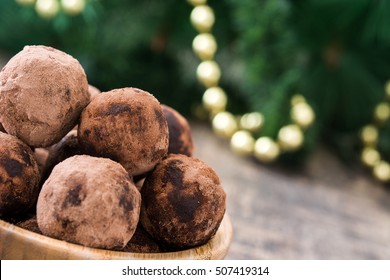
(325, 211)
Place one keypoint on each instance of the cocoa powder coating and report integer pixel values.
(42, 93)
(126, 125)
(19, 176)
(30, 224)
(142, 242)
(89, 201)
(67, 147)
(183, 202)
(180, 138)
(93, 91)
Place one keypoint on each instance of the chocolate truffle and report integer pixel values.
(67, 147)
(183, 202)
(142, 242)
(42, 93)
(30, 224)
(41, 155)
(19, 176)
(89, 201)
(180, 138)
(139, 183)
(93, 91)
(126, 125)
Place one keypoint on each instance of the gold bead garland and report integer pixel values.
(50, 8)
(240, 129)
(369, 136)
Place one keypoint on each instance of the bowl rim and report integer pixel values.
(215, 248)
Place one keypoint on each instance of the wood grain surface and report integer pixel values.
(325, 211)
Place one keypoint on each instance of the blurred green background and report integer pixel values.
(335, 53)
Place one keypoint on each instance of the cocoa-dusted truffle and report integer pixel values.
(93, 91)
(41, 155)
(67, 147)
(142, 242)
(139, 182)
(42, 93)
(180, 138)
(89, 201)
(19, 176)
(30, 224)
(126, 125)
(183, 202)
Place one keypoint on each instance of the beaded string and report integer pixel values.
(369, 135)
(240, 129)
(50, 8)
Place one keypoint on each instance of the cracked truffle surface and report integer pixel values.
(89, 201)
(19, 176)
(180, 138)
(42, 93)
(183, 202)
(126, 125)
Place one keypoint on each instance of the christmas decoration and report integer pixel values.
(73, 7)
(242, 143)
(224, 124)
(268, 64)
(370, 155)
(290, 137)
(47, 8)
(214, 99)
(266, 150)
(202, 17)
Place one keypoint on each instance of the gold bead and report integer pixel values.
(242, 143)
(369, 135)
(205, 46)
(252, 121)
(290, 137)
(208, 73)
(47, 8)
(73, 7)
(370, 156)
(202, 18)
(25, 2)
(197, 2)
(296, 99)
(382, 112)
(214, 99)
(302, 114)
(266, 149)
(224, 124)
(382, 171)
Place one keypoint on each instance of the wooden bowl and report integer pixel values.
(20, 244)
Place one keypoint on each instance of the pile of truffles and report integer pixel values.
(111, 170)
